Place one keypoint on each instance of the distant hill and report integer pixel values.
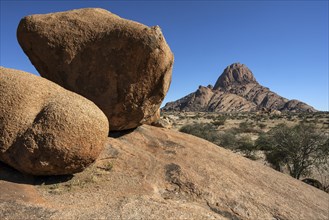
(236, 90)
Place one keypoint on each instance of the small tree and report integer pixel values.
(299, 148)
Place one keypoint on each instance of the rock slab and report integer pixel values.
(45, 129)
(158, 173)
(123, 66)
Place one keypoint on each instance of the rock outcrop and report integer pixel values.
(163, 123)
(297, 106)
(235, 74)
(209, 100)
(45, 129)
(123, 66)
(236, 90)
(156, 173)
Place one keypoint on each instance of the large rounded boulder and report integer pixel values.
(123, 66)
(45, 129)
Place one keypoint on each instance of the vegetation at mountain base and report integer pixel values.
(206, 131)
(296, 144)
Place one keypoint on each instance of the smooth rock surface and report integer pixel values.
(45, 129)
(123, 66)
(157, 173)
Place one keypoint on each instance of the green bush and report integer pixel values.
(247, 127)
(262, 126)
(298, 148)
(219, 121)
(202, 130)
(209, 117)
(246, 146)
(231, 140)
(228, 139)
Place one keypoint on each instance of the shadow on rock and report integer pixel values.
(117, 134)
(9, 174)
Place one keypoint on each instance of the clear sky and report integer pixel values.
(284, 43)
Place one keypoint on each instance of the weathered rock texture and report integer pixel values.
(45, 129)
(235, 74)
(123, 66)
(162, 174)
(236, 90)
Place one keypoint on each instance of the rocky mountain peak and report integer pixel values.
(235, 74)
(236, 90)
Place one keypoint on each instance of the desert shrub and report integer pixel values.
(321, 115)
(197, 116)
(233, 115)
(314, 121)
(298, 148)
(219, 121)
(181, 117)
(310, 115)
(228, 139)
(247, 127)
(262, 126)
(210, 117)
(206, 131)
(302, 116)
(275, 117)
(262, 142)
(289, 117)
(258, 118)
(232, 140)
(247, 147)
(264, 118)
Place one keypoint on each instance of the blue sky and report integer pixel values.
(284, 43)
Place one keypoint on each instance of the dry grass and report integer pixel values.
(251, 125)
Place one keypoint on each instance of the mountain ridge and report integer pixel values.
(236, 90)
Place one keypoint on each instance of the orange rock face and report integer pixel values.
(45, 129)
(123, 66)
